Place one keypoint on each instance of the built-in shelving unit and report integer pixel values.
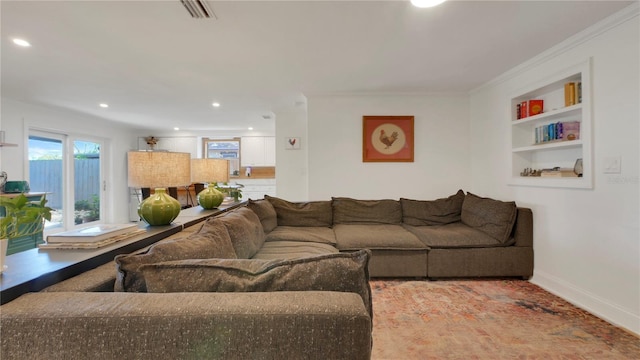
(535, 151)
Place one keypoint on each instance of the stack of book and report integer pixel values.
(91, 237)
(569, 130)
(572, 93)
(558, 173)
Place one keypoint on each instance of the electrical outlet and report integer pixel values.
(612, 165)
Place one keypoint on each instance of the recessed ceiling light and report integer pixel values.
(103, 105)
(21, 42)
(216, 104)
(176, 128)
(250, 128)
(426, 3)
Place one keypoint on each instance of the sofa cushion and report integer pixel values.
(493, 217)
(434, 212)
(346, 272)
(245, 230)
(274, 250)
(211, 241)
(266, 213)
(304, 234)
(313, 213)
(353, 211)
(454, 235)
(376, 237)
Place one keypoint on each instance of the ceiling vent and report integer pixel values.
(198, 9)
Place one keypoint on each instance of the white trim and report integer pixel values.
(630, 12)
(592, 303)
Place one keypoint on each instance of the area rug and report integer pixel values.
(488, 319)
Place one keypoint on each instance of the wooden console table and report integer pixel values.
(36, 269)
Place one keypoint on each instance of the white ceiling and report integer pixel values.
(158, 68)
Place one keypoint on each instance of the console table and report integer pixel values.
(36, 269)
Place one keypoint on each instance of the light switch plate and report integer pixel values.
(612, 165)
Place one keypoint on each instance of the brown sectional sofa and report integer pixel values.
(273, 279)
(458, 236)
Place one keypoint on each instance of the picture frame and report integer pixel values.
(387, 138)
(292, 143)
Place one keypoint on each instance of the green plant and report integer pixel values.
(23, 217)
(234, 192)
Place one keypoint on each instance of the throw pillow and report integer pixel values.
(245, 230)
(493, 217)
(312, 213)
(352, 211)
(346, 272)
(434, 212)
(212, 241)
(266, 213)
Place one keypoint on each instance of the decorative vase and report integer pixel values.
(210, 198)
(4, 243)
(159, 208)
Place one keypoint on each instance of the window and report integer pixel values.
(69, 170)
(228, 149)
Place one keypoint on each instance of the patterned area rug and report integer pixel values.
(488, 319)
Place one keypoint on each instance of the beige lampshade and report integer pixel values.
(158, 169)
(209, 170)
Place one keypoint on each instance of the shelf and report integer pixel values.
(568, 111)
(549, 145)
(567, 182)
(525, 154)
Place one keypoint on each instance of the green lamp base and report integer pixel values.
(210, 198)
(159, 208)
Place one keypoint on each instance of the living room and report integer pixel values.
(586, 239)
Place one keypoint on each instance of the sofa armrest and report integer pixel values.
(82, 325)
(523, 228)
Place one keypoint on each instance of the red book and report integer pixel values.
(523, 110)
(535, 107)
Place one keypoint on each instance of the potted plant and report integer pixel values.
(22, 218)
(233, 191)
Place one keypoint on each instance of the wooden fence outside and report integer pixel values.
(46, 175)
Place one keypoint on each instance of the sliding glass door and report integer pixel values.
(69, 170)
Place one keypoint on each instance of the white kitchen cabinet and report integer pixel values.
(256, 189)
(258, 151)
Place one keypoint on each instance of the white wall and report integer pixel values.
(586, 242)
(292, 180)
(18, 117)
(441, 158)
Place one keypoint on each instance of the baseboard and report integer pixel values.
(590, 302)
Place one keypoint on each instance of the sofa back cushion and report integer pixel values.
(212, 241)
(493, 217)
(345, 272)
(266, 213)
(245, 231)
(352, 211)
(434, 212)
(313, 213)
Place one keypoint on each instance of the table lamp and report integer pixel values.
(158, 169)
(209, 171)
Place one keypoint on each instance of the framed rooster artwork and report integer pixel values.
(387, 138)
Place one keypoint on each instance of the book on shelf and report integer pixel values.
(92, 234)
(558, 173)
(572, 93)
(569, 94)
(571, 130)
(535, 107)
(523, 110)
